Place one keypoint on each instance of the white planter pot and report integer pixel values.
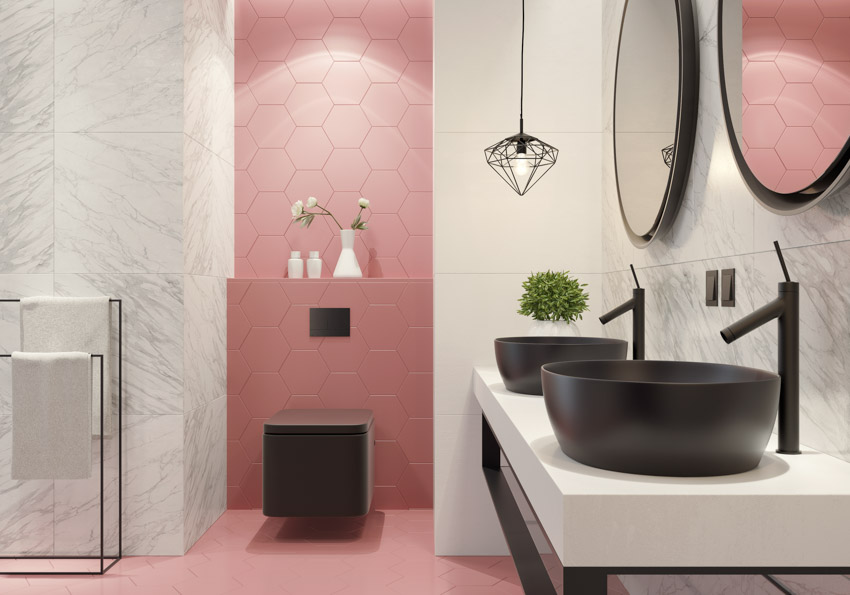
(546, 328)
(347, 265)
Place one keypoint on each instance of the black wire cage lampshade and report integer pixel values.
(521, 160)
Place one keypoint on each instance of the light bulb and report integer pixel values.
(520, 166)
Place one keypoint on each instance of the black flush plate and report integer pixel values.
(330, 322)
(727, 297)
(711, 283)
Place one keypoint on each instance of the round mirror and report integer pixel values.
(785, 82)
(655, 106)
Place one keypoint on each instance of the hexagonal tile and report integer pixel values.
(271, 39)
(346, 39)
(799, 19)
(762, 83)
(308, 19)
(384, 104)
(417, 39)
(268, 256)
(265, 304)
(305, 183)
(237, 372)
(344, 204)
(243, 269)
(382, 327)
(244, 104)
(237, 417)
(384, 19)
(309, 148)
(296, 328)
(417, 127)
(346, 126)
(762, 39)
(390, 463)
(316, 237)
(264, 349)
(304, 372)
(417, 304)
(236, 290)
(237, 462)
(237, 327)
(271, 83)
(832, 81)
(825, 161)
(762, 8)
(385, 61)
(264, 394)
(304, 402)
(244, 18)
(762, 126)
(309, 61)
(799, 61)
(244, 61)
(271, 126)
(795, 180)
(244, 235)
(417, 485)
(417, 170)
(270, 8)
(270, 213)
(417, 213)
(345, 295)
(346, 8)
(831, 39)
(252, 486)
(346, 83)
(384, 148)
(834, 8)
(271, 169)
(305, 292)
(344, 354)
(244, 191)
(388, 267)
(386, 235)
(390, 416)
(833, 126)
(417, 256)
(382, 372)
(309, 104)
(416, 83)
(417, 349)
(382, 292)
(417, 440)
(417, 395)
(346, 169)
(244, 147)
(343, 391)
(386, 191)
(799, 148)
(799, 104)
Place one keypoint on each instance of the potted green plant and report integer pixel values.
(554, 301)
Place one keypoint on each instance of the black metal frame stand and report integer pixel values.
(585, 580)
(103, 557)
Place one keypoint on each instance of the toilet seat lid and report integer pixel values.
(320, 421)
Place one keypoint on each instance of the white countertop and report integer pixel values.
(790, 511)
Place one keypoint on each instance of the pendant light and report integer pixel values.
(521, 160)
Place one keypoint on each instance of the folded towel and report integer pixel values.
(50, 324)
(51, 415)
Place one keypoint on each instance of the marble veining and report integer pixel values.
(205, 341)
(26, 201)
(119, 203)
(119, 65)
(26, 66)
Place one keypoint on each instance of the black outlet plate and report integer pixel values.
(727, 291)
(711, 288)
(330, 322)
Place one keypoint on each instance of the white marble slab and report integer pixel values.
(204, 341)
(791, 511)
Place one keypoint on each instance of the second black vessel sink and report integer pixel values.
(661, 417)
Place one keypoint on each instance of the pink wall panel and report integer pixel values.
(333, 100)
(386, 366)
(796, 84)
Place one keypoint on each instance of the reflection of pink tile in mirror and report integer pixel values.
(796, 87)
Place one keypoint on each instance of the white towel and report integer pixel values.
(51, 415)
(50, 324)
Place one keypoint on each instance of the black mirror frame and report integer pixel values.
(686, 125)
(831, 181)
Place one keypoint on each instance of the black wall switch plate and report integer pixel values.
(330, 322)
(727, 297)
(711, 289)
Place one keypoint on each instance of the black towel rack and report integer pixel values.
(106, 561)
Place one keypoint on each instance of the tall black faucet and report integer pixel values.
(786, 309)
(638, 305)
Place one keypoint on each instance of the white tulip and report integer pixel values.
(297, 208)
(312, 202)
(364, 203)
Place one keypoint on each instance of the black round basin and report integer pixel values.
(519, 358)
(661, 417)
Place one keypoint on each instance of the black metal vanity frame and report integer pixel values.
(584, 580)
(106, 561)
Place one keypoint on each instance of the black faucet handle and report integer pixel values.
(782, 261)
(634, 274)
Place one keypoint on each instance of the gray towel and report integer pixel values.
(51, 415)
(50, 324)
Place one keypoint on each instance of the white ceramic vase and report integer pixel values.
(347, 265)
(547, 328)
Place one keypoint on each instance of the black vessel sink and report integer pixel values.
(519, 358)
(661, 417)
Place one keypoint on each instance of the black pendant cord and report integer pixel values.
(522, 67)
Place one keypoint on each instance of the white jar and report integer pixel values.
(314, 265)
(296, 265)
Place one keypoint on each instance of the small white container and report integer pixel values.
(296, 265)
(314, 265)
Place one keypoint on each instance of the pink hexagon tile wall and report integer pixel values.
(796, 89)
(336, 90)
(385, 365)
